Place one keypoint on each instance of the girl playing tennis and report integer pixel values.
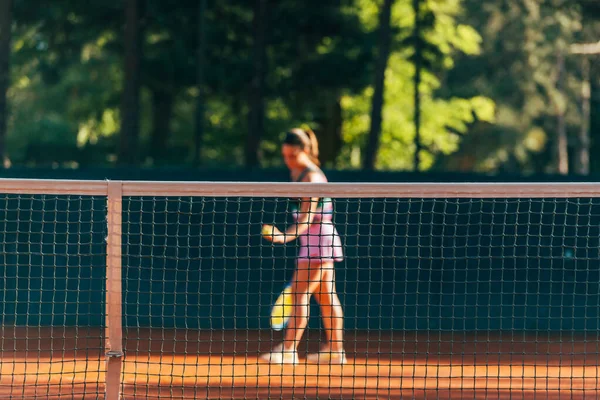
(320, 247)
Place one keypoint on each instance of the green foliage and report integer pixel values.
(65, 82)
(67, 77)
(444, 120)
(519, 67)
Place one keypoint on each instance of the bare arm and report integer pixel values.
(306, 215)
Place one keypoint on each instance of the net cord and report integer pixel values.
(293, 189)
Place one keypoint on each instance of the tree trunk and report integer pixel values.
(130, 106)
(594, 121)
(162, 112)
(200, 60)
(330, 131)
(562, 145)
(257, 107)
(417, 83)
(583, 151)
(5, 39)
(385, 34)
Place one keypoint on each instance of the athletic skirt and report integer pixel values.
(321, 243)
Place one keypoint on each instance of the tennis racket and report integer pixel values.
(282, 309)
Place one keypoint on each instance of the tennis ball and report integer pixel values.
(267, 230)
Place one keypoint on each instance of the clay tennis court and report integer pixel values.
(59, 362)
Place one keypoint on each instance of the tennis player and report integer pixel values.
(320, 247)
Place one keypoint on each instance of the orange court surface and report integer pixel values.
(159, 363)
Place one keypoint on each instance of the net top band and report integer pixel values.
(287, 189)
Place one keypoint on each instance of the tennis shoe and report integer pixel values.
(280, 356)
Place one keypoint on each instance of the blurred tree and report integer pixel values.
(588, 51)
(583, 146)
(296, 42)
(556, 93)
(257, 97)
(418, 43)
(72, 51)
(130, 108)
(65, 84)
(168, 49)
(445, 121)
(318, 63)
(200, 67)
(526, 68)
(385, 34)
(5, 44)
(318, 54)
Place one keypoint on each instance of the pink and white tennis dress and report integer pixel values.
(321, 242)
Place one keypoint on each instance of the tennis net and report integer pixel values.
(448, 290)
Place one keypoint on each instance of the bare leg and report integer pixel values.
(306, 279)
(331, 310)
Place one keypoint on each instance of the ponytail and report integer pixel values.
(313, 146)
